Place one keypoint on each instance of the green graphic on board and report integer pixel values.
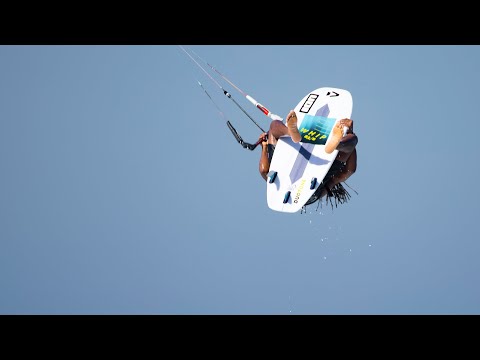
(315, 129)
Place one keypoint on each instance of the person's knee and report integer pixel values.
(275, 124)
(277, 129)
(348, 143)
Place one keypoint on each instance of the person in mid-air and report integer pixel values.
(344, 165)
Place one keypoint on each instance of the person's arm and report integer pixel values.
(264, 164)
(347, 171)
(348, 142)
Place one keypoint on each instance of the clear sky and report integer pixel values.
(122, 191)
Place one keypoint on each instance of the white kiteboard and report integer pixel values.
(297, 169)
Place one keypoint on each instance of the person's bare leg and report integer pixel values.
(338, 134)
(291, 122)
(277, 129)
(346, 146)
(334, 138)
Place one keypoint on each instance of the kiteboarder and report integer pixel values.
(344, 165)
(342, 139)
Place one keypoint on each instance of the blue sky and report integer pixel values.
(124, 192)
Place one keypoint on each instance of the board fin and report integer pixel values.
(272, 175)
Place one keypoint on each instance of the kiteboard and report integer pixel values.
(297, 169)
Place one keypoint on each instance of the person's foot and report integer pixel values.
(292, 127)
(334, 139)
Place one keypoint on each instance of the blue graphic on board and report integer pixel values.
(317, 125)
(315, 129)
